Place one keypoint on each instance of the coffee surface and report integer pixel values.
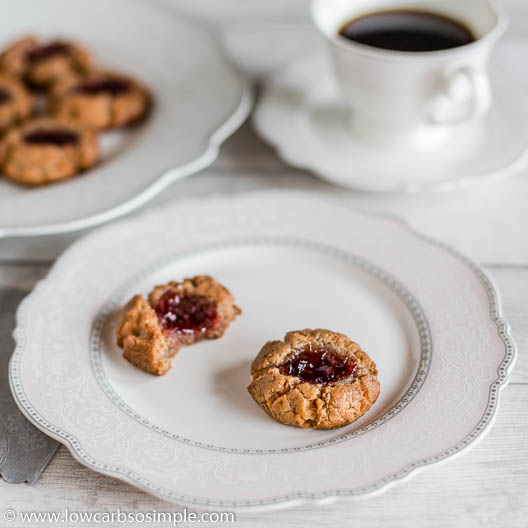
(407, 30)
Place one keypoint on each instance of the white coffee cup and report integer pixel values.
(412, 97)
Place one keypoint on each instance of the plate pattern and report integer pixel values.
(54, 384)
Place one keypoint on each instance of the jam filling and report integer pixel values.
(49, 50)
(182, 313)
(5, 96)
(318, 365)
(48, 136)
(103, 86)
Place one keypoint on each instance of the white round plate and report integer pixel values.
(199, 100)
(302, 115)
(429, 318)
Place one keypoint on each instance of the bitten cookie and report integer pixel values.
(176, 314)
(44, 63)
(100, 100)
(16, 104)
(47, 150)
(314, 379)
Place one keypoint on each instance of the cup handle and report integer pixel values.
(466, 95)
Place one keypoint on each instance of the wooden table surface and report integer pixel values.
(485, 486)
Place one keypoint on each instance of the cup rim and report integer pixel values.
(413, 56)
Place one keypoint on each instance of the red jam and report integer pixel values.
(49, 50)
(318, 365)
(48, 136)
(103, 86)
(5, 96)
(186, 313)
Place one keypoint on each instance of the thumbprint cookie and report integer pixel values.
(176, 314)
(315, 379)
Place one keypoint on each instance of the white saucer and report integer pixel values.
(302, 115)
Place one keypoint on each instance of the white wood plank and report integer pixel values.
(21, 275)
(486, 486)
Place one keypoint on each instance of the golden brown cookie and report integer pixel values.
(176, 314)
(16, 104)
(314, 379)
(47, 150)
(44, 63)
(100, 100)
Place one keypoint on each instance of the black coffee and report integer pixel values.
(407, 30)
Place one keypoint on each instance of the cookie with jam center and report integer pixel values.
(16, 104)
(42, 63)
(46, 150)
(314, 379)
(100, 100)
(176, 314)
